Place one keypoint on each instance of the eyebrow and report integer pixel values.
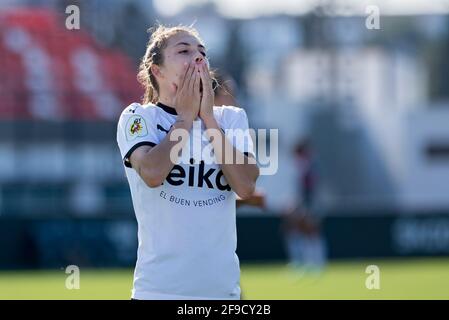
(188, 44)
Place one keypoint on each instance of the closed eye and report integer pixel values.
(186, 51)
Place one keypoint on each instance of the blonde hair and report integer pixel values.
(155, 55)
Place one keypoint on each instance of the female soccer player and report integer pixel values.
(184, 205)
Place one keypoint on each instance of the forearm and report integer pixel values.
(241, 177)
(159, 160)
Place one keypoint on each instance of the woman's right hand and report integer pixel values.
(187, 98)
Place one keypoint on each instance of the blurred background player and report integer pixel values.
(305, 243)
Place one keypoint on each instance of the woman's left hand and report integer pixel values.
(207, 100)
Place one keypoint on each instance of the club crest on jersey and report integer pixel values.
(136, 127)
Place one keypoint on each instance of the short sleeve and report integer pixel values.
(135, 128)
(239, 133)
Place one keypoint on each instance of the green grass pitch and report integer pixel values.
(399, 279)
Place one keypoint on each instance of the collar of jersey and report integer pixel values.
(166, 108)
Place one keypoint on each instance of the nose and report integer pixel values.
(199, 58)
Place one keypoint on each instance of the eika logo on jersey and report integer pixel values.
(136, 127)
(212, 178)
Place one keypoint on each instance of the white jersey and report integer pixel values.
(186, 226)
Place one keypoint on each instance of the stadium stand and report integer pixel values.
(51, 73)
